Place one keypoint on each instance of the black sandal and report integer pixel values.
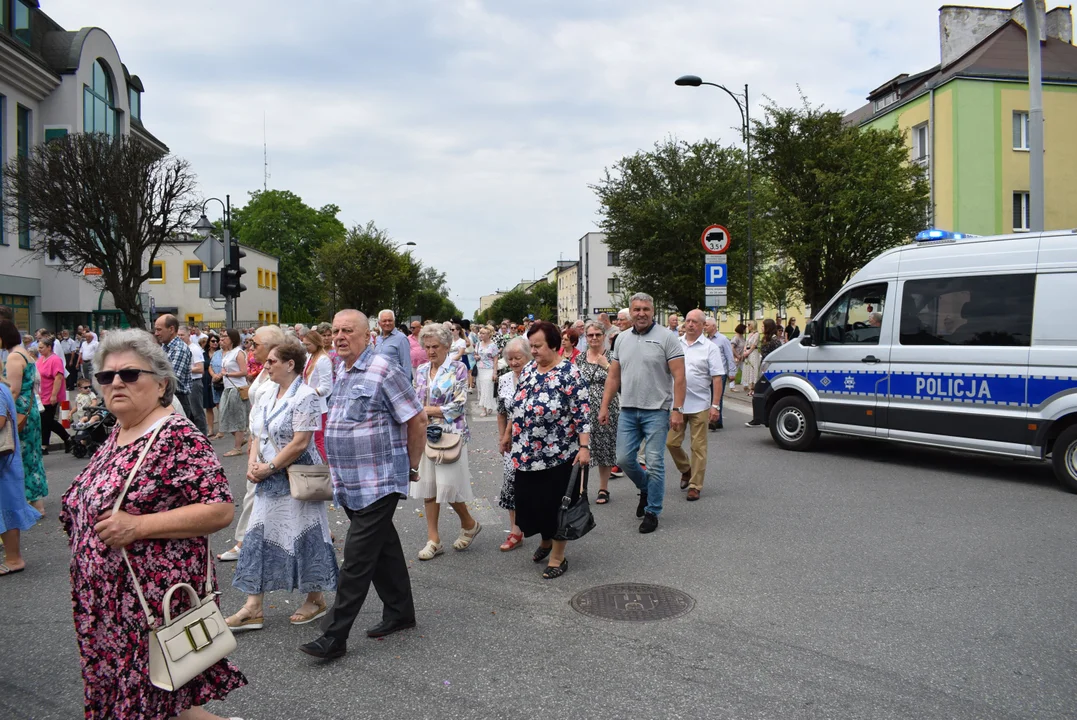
(552, 572)
(603, 497)
(542, 553)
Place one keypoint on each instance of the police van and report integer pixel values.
(960, 342)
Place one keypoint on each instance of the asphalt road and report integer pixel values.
(864, 580)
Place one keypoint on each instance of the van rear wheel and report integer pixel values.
(792, 423)
(1064, 457)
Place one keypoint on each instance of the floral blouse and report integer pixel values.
(506, 390)
(549, 411)
(448, 391)
(487, 355)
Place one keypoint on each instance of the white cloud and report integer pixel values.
(473, 128)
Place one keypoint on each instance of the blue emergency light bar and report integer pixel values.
(933, 235)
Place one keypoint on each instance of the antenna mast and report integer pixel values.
(265, 155)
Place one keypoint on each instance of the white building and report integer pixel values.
(568, 292)
(54, 82)
(175, 278)
(599, 284)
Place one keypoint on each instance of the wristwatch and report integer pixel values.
(273, 467)
(584, 447)
(715, 407)
(414, 471)
(677, 410)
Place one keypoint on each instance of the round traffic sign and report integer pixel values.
(715, 239)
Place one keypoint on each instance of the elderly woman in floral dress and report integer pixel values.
(441, 385)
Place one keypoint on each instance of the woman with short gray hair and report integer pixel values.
(178, 496)
(517, 354)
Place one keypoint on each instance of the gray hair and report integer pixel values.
(624, 313)
(438, 332)
(594, 324)
(391, 314)
(274, 335)
(517, 344)
(145, 346)
(641, 297)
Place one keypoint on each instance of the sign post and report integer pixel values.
(716, 241)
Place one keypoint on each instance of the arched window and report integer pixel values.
(98, 102)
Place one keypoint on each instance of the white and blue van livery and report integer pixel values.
(968, 343)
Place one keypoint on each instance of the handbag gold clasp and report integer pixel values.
(205, 631)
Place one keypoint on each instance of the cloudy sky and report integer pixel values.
(474, 128)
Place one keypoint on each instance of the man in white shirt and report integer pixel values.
(198, 366)
(710, 329)
(704, 373)
(86, 353)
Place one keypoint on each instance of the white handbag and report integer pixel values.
(183, 647)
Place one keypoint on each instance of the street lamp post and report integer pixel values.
(746, 134)
(204, 228)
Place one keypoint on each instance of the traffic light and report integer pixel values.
(231, 287)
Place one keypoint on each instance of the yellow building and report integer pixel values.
(966, 120)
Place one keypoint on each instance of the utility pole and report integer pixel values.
(1035, 118)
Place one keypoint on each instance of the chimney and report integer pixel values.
(962, 28)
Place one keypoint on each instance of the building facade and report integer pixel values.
(568, 292)
(175, 280)
(599, 284)
(54, 82)
(967, 120)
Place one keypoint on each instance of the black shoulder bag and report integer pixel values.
(574, 518)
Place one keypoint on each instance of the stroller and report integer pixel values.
(92, 432)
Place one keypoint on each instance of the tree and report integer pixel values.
(364, 270)
(88, 199)
(776, 287)
(540, 300)
(654, 206)
(278, 222)
(840, 195)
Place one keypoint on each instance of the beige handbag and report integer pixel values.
(442, 447)
(183, 647)
(7, 437)
(309, 483)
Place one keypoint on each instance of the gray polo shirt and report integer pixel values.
(646, 382)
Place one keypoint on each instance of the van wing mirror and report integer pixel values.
(811, 336)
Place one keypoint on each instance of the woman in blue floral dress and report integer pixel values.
(287, 545)
(441, 385)
(550, 432)
(21, 375)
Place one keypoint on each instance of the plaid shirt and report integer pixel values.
(180, 355)
(365, 436)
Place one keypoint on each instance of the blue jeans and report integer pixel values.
(634, 427)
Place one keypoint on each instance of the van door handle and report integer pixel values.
(871, 359)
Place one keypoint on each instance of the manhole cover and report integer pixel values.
(633, 601)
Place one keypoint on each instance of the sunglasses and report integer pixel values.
(594, 334)
(127, 375)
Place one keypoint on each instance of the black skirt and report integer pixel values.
(538, 499)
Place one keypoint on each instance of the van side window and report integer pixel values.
(855, 319)
(991, 310)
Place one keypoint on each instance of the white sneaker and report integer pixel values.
(230, 555)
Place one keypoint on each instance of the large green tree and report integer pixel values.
(278, 222)
(654, 207)
(839, 195)
(365, 270)
(540, 300)
(91, 200)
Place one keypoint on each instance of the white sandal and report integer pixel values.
(431, 550)
(467, 537)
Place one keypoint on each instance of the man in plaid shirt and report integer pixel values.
(375, 436)
(166, 330)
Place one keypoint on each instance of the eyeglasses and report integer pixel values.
(594, 334)
(127, 375)
(254, 344)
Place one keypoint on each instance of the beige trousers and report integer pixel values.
(696, 425)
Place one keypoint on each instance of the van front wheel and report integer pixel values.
(792, 423)
(1064, 456)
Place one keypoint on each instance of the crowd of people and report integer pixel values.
(384, 410)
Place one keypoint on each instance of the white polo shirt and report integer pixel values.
(702, 363)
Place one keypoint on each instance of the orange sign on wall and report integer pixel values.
(91, 270)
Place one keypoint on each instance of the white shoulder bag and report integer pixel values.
(184, 647)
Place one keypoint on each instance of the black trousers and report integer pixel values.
(194, 412)
(49, 425)
(372, 554)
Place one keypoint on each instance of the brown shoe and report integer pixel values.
(685, 479)
(693, 494)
